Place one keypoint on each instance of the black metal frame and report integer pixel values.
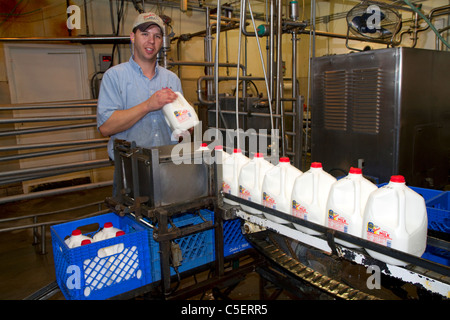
(144, 205)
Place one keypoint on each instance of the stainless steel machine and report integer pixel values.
(386, 111)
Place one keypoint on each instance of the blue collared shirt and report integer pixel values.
(124, 86)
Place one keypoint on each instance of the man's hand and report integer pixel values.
(122, 120)
(160, 98)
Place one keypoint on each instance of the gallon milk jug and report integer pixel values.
(251, 180)
(115, 264)
(396, 217)
(346, 203)
(180, 115)
(277, 188)
(77, 239)
(203, 147)
(108, 231)
(310, 195)
(221, 154)
(231, 170)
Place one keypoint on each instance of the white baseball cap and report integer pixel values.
(146, 19)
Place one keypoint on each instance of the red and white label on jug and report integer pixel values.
(377, 235)
(244, 193)
(226, 188)
(299, 211)
(182, 115)
(337, 222)
(268, 201)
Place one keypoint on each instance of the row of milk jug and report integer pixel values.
(393, 215)
(107, 232)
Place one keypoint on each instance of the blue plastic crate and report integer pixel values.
(84, 275)
(427, 194)
(197, 249)
(233, 239)
(437, 255)
(438, 209)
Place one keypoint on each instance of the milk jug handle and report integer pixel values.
(256, 178)
(315, 198)
(401, 210)
(283, 182)
(357, 200)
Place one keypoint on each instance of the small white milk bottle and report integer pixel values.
(231, 170)
(310, 195)
(346, 204)
(396, 217)
(277, 188)
(251, 179)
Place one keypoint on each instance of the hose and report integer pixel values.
(416, 10)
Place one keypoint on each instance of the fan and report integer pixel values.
(374, 20)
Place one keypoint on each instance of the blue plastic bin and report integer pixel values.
(233, 239)
(427, 194)
(437, 255)
(197, 249)
(438, 209)
(82, 275)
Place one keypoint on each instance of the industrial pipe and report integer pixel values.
(222, 78)
(48, 119)
(47, 129)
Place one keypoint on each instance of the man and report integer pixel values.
(133, 93)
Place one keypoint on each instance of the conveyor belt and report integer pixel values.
(426, 274)
(297, 269)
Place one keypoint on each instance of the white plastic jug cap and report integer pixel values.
(108, 225)
(284, 159)
(355, 170)
(316, 165)
(237, 151)
(259, 155)
(85, 242)
(76, 232)
(218, 147)
(398, 179)
(120, 233)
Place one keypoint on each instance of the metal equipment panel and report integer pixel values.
(148, 179)
(384, 108)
